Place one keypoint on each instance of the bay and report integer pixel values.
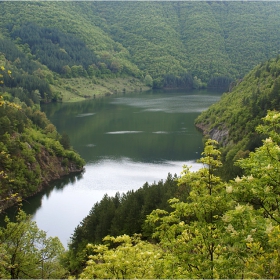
(126, 140)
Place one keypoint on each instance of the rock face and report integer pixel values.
(47, 167)
(53, 167)
(220, 134)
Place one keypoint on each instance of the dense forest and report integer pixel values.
(210, 228)
(221, 221)
(247, 150)
(233, 119)
(121, 214)
(186, 44)
(32, 153)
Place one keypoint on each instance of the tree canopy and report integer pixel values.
(32, 152)
(26, 252)
(222, 230)
(233, 119)
(215, 42)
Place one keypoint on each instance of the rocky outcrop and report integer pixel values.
(46, 168)
(53, 167)
(220, 134)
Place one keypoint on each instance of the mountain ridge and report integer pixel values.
(232, 120)
(211, 42)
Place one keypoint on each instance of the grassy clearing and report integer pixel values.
(77, 89)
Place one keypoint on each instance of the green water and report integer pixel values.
(126, 140)
(144, 127)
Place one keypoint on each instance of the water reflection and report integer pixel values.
(187, 103)
(126, 141)
(65, 208)
(34, 203)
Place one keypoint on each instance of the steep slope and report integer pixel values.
(210, 41)
(232, 121)
(248, 31)
(64, 16)
(32, 153)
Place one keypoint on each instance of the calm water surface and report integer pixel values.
(126, 140)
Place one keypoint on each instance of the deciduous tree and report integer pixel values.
(26, 251)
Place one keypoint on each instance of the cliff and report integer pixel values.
(32, 153)
(233, 120)
(221, 134)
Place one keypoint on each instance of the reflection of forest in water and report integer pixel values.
(34, 203)
(148, 127)
(126, 140)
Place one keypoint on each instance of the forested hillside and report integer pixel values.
(160, 44)
(214, 229)
(233, 119)
(217, 230)
(198, 225)
(32, 152)
(121, 214)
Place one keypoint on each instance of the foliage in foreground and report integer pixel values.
(122, 214)
(232, 120)
(26, 252)
(223, 229)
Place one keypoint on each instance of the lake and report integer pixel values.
(126, 140)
